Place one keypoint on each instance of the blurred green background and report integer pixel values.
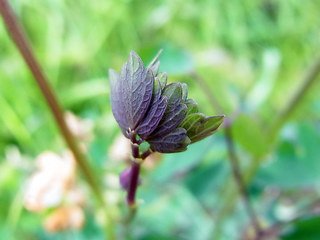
(252, 57)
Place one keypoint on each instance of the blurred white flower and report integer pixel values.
(75, 196)
(53, 185)
(69, 217)
(120, 149)
(47, 186)
(286, 211)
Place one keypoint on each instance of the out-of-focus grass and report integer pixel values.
(253, 56)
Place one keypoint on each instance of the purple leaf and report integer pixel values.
(163, 77)
(171, 120)
(175, 112)
(136, 86)
(176, 141)
(174, 93)
(117, 103)
(155, 112)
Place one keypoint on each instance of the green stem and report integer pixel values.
(234, 162)
(233, 158)
(20, 39)
(231, 196)
(307, 83)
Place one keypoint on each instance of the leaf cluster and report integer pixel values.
(149, 109)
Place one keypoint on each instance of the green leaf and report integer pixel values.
(173, 92)
(192, 106)
(250, 135)
(81, 92)
(207, 178)
(184, 91)
(297, 150)
(157, 236)
(199, 126)
(303, 229)
(175, 210)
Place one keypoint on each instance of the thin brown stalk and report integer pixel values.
(20, 39)
(234, 161)
(233, 158)
(307, 83)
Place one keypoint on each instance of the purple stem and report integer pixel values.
(146, 154)
(135, 150)
(134, 180)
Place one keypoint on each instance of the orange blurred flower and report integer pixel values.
(62, 218)
(53, 186)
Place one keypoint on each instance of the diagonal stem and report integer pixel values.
(234, 161)
(233, 158)
(20, 39)
(307, 83)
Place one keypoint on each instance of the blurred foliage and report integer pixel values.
(253, 55)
